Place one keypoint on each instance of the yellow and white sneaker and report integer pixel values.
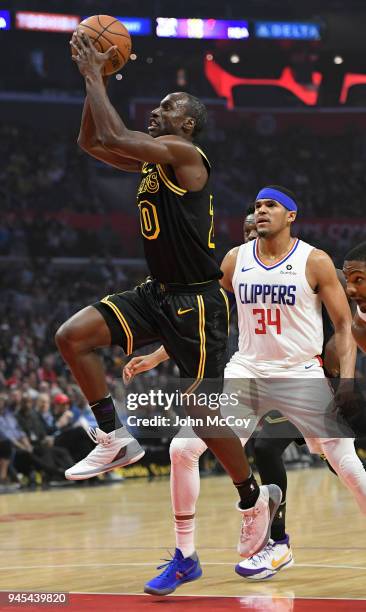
(269, 561)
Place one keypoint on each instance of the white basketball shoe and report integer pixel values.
(112, 451)
(274, 557)
(256, 522)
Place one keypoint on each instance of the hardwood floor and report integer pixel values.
(110, 539)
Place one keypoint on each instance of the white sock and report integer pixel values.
(184, 536)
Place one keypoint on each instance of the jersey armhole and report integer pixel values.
(237, 265)
(307, 288)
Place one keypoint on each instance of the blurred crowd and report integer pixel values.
(43, 171)
(43, 431)
(44, 176)
(326, 172)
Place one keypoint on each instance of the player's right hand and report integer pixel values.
(88, 59)
(139, 364)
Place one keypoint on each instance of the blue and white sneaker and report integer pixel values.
(178, 570)
(274, 557)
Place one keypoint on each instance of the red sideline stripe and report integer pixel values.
(145, 603)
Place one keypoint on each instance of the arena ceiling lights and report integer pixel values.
(171, 27)
(56, 22)
(4, 20)
(46, 22)
(287, 30)
(222, 29)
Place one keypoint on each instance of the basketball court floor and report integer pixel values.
(100, 544)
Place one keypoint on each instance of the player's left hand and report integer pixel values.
(89, 61)
(347, 399)
(141, 363)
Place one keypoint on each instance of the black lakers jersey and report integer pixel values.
(177, 227)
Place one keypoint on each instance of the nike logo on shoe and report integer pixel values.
(247, 269)
(275, 564)
(309, 366)
(182, 312)
(180, 575)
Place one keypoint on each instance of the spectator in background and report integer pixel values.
(54, 459)
(68, 433)
(46, 371)
(25, 461)
(43, 407)
(15, 398)
(5, 458)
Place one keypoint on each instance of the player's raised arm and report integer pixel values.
(165, 145)
(88, 139)
(322, 277)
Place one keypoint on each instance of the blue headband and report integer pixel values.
(273, 194)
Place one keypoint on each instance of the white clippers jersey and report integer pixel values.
(279, 315)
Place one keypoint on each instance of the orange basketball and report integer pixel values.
(106, 31)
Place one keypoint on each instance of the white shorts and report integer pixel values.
(300, 392)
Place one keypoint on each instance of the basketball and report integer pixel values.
(106, 31)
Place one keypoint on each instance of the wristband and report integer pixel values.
(361, 314)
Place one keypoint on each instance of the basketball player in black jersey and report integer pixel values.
(183, 306)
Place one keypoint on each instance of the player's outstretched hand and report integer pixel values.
(348, 400)
(89, 61)
(139, 364)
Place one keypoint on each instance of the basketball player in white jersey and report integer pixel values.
(355, 272)
(279, 283)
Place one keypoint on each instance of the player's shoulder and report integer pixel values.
(185, 150)
(321, 267)
(233, 253)
(231, 256)
(178, 141)
(319, 256)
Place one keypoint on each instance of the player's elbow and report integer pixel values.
(85, 145)
(108, 140)
(343, 324)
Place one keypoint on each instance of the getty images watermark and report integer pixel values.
(158, 399)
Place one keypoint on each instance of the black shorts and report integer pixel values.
(276, 426)
(191, 321)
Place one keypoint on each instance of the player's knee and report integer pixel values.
(350, 468)
(346, 464)
(186, 451)
(67, 338)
